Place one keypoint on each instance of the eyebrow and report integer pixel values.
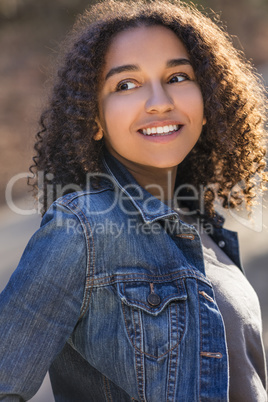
(178, 62)
(134, 67)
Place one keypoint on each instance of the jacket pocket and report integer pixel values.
(154, 314)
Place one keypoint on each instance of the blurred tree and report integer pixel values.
(30, 31)
(247, 19)
(9, 8)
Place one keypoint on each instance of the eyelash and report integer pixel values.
(119, 89)
(184, 75)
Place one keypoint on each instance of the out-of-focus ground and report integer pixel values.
(30, 31)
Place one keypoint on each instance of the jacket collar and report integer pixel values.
(150, 208)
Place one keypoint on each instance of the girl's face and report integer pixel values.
(151, 107)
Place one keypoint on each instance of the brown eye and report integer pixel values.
(178, 78)
(125, 86)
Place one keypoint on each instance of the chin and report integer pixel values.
(165, 164)
(162, 165)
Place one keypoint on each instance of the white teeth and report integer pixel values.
(160, 130)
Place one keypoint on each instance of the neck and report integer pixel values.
(159, 182)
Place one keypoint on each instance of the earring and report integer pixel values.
(99, 135)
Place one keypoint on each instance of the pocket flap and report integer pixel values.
(151, 297)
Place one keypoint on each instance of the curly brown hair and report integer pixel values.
(231, 147)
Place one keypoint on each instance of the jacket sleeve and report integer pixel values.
(41, 304)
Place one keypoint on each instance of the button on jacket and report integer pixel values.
(111, 297)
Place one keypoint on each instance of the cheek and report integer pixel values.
(121, 111)
(190, 100)
(118, 113)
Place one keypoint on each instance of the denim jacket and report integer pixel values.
(111, 297)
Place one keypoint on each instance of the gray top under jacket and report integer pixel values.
(239, 306)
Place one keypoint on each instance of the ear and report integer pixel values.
(99, 135)
(204, 120)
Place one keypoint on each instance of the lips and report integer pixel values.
(160, 130)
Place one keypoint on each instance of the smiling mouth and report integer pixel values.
(160, 131)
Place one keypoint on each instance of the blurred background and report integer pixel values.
(30, 32)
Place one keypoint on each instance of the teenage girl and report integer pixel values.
(131, 290)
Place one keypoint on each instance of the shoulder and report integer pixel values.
(85, 204)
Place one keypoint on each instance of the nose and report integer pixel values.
(159, 100)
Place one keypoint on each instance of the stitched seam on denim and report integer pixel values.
(75, 211)
(170, 361)
(142, 368)
(104, 386)
(137, 376)
(176, 366)
(200, 360)
(84, 193)
(178, 340)
(135, 347)
(184, 314)
(93, 268)
(86, 299)
(156, 277)
(136, 352)
(148, 278)
(135, 332)
(107, 389)
(180, 289)
(162, 303)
